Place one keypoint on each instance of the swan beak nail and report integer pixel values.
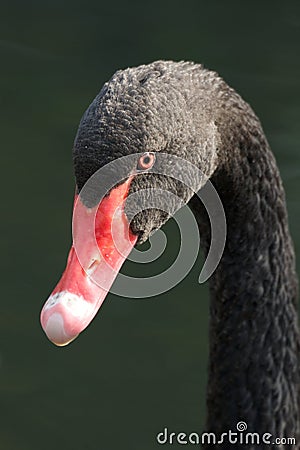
(54, 329)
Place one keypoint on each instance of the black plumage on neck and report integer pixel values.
(254, 373)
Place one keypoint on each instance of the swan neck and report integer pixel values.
(254, 337)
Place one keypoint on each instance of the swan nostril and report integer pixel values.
(92, 267)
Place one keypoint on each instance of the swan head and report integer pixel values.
(160, 108)
(144, 146)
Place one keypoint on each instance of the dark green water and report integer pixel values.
(141, 365)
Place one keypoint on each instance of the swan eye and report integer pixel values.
(146, 161)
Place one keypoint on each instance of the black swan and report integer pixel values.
(183, 109)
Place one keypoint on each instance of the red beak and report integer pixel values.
(102, 241)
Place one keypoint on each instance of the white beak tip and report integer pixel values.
(55, 331)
